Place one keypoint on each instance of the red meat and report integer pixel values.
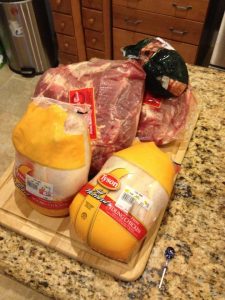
(118, 94)
(162, 120)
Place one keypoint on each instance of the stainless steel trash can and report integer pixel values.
(27, 33)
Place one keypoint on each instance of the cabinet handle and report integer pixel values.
(180, 7)
(177, 31)
(58, 2)
(132, 21)
(62, 25)
(91, 21)
(94, 40)
(66, 45)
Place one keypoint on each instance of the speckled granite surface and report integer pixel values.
(193, 225)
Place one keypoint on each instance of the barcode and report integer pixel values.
(128, 198)
(32, 185)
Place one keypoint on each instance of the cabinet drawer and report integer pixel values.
(122, 38)
(65, 58)
(63, 23)
(187, 9)
(67, 44)
(94, 53)
(95, 4)
(158, 25)
(94, 39)
(63, 6)
(92, 19)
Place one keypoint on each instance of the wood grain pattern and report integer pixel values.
(67, 44)
(185, 9)
(94, 39)
(63, 23)
(92, 19)
(16, 214)
(95, 4)
(79, 33)
(172, 28)
(63, 6)
(123, 38)
(66, 58)
(91, 53)
(107, 28)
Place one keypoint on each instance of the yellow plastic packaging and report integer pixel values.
(52, 155)
(115, 210)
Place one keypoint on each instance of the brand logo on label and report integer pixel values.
(78, 96)
(85, 98)
(110, 182)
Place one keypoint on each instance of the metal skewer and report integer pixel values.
(169, 254)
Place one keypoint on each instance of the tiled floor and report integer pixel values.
(15, 93)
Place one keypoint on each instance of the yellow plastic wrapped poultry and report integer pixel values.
(52, 155)
(115, 210)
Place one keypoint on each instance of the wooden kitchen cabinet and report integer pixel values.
(96, 18)
(180, 22)
(69, 31)
(186, 9)
(83, 29)
(100, 28)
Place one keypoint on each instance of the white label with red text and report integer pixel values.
(39, 188)
(129, 197)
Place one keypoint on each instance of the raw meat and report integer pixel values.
(126, 198)
(118, 94)
(52, 155)
(162, 120)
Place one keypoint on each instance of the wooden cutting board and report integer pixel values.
(17, 215)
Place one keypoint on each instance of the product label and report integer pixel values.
(86, 96)
(129, 197)
(109, 181)
(151, 100)
(125, 219)
(39, 192)
(16, 29)
(110, 207)
(50, 204)
(39, 188)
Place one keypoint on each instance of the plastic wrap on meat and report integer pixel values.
(118, 93)
(163, 120)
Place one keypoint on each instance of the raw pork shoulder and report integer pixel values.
(162, 120)
(118, 93)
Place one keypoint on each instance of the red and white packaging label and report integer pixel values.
(151, 100)
(125, 219)
(109, 206)
(39, 188)
(129, 197)
(39, 192)
(86, 96)
(109, 181)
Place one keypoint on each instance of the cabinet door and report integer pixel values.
(63, 6)
(186, 9)
(91, 53)
(95, 4)
(94, 39)
(66, 58)
(92, 19)
(122, 38)
(159, 25)
(67, 44)
(63, 23)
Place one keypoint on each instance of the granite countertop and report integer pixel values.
(193, 224)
